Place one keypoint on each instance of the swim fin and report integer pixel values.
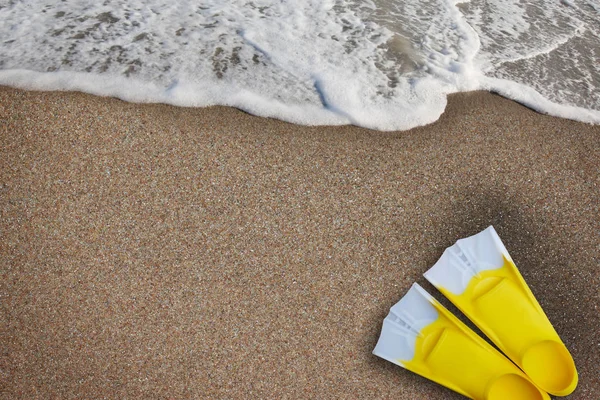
(422, 336)
(478, 275)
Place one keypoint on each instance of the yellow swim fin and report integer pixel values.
(478, 275)
(422, 336)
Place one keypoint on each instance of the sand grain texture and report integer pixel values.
(149, 251)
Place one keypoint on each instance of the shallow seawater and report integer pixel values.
(379, 64)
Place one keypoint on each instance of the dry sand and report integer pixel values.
(149, 251)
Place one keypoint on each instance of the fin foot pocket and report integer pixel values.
(550, 365)
(513, 387)
(485, 286)
(431, 341)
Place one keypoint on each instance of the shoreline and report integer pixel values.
(156, 251)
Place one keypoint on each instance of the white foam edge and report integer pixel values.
(531, 98)
(403, 324)
(183, 94)
(465, 259)
(204, 94)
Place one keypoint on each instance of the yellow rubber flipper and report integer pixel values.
(422, 336)
(479, 277)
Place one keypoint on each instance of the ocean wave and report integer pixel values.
(382, 65)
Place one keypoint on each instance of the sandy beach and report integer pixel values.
(149, 251)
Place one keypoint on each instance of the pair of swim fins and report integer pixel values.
(478, 275)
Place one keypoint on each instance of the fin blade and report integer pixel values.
(402, 325)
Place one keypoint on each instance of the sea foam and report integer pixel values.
(378, 64)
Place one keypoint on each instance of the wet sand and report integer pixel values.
(150, 251)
